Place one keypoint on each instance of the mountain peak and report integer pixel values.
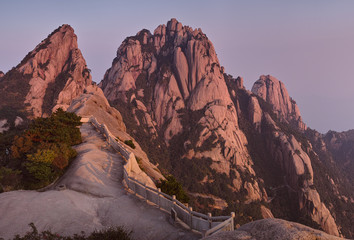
(52, 74)
(275, 93)
(163, 81)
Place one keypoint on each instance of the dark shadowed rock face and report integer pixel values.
(49, 77)
(341, 145)
(336, 153)
(284, 158)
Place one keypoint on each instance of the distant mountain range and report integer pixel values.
(232, 149)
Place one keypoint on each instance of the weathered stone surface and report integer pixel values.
(55, 72)
(273, 229)
(266, 213)
(334, 150)
(296, 164)
(93, 103)
(3, 125)
(239, 82)
(181, 78)
(173, 88)
(59, 72)
(274, 92)
(255, 113)
(1, 74)
(341, 146)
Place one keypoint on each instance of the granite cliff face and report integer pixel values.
(233, 149)
(49, 77)
(245, 149)
(319, 167)
(334, 166)
(170, 87)
(341, 145)
(281, 152)
(274, 92)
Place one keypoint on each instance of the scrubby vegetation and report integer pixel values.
(39, 154)
(117, 233)
(14, 87)
(130, 143)
(171, 187)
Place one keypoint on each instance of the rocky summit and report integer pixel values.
(170, 87)
(49, 77)
(274, 92)
(231, 148)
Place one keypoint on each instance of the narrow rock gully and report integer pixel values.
(89, 196)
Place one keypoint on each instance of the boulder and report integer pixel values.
(272, 229)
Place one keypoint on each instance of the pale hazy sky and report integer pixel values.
(307, 44)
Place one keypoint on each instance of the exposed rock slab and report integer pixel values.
(94, 198)
(93, 103)
(273, 229)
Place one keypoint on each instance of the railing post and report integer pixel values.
(173, 209)
(209, 220)
(173, 200)
(232, 221)
(158, 197)
(191, 217)
(132, 181)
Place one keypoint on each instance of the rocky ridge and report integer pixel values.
(93, 103)
(231, 148)
(341, 145)
(49, 77)
(276, 118)
(274, 92)
(170, 84)
(170, 87)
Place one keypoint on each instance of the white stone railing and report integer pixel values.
(205, 224)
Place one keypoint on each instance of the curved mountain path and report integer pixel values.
(94, 198)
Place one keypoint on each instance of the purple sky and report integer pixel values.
(309, 45)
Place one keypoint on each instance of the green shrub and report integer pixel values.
(44, 150)
(130, 143)
(171, 187)
(9, 179)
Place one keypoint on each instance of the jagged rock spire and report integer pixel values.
(274, 92)
(51, 75)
